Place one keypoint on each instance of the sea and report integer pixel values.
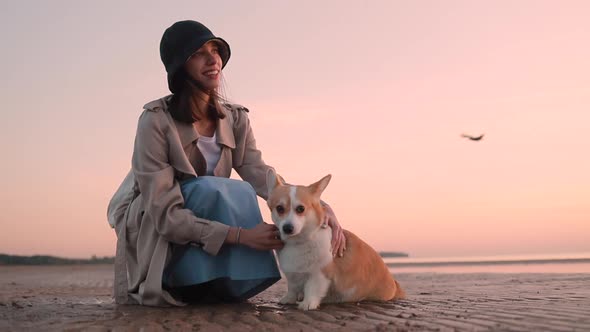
(556, 263)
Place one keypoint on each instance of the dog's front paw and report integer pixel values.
(299, 297)
(308, 304)
(288, 299)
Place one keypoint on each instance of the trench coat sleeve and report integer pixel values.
(247, 158)
(163, 201)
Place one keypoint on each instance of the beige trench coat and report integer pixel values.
(148, 211)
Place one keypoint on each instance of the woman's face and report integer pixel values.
(205, 65)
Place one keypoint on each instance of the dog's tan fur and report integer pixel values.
(363, 270)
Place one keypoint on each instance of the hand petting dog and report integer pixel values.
(338, 238)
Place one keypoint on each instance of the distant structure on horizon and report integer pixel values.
(389, 254)
(473, 138)
(51, 260)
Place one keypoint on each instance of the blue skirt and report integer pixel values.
(237, 272)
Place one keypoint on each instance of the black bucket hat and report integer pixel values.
(181, 40)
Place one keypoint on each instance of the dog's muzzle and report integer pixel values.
(288, 228)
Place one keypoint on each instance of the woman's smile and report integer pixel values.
(211, 74)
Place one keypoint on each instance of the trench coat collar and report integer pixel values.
(187, 132)
(225, 132)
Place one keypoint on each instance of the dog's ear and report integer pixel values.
(318, 187)
(273, 180)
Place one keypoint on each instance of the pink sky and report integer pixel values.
(376, 94)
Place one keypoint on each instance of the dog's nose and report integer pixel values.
(288, 228)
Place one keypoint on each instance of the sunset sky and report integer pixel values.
(376, 94)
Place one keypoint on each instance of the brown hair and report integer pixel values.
(183, 106)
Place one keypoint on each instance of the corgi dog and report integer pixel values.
(313, 274)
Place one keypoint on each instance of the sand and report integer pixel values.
(80, 298)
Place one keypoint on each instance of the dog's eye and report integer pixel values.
(280, 209)
(299, 209)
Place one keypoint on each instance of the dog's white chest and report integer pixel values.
(307, 256)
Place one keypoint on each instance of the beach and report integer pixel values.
(79, 298)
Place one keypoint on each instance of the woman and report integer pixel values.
(186, 232)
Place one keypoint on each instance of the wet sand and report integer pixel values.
(80, 298)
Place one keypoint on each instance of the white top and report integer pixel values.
(210, 150)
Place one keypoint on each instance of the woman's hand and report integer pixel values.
(338, 239)
(262, 237)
